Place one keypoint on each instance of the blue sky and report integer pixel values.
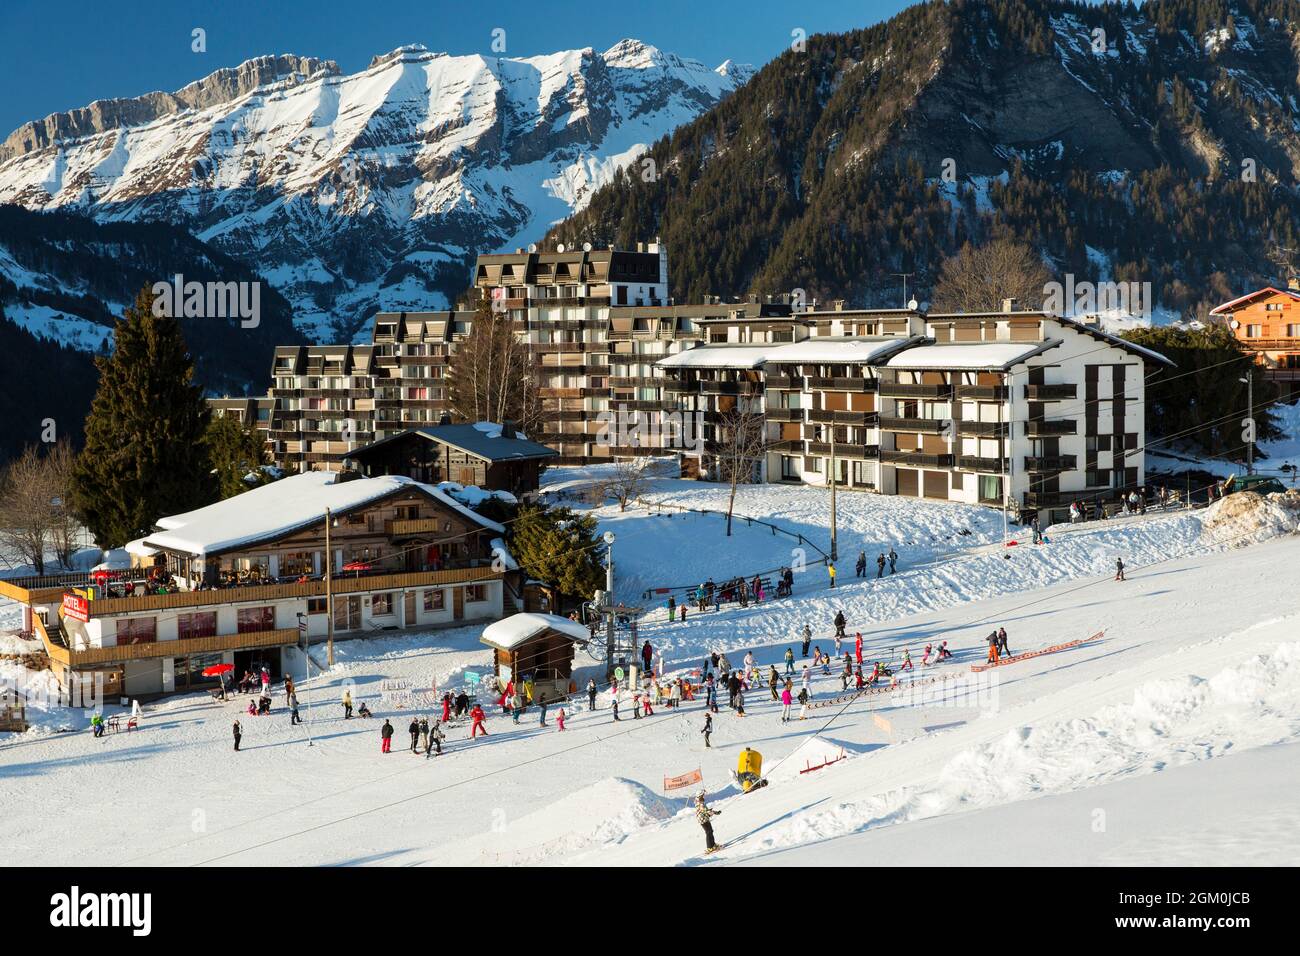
(58, 56)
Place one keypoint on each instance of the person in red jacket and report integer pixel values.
(559, 718)
(446, 707)
(476, 715)
(857, 647)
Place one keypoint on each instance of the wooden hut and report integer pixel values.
(538, 645)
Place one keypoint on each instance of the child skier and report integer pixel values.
(704, 815)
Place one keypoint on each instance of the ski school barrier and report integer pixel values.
(683, 780)
(809, 768)
(876, 691)
(977, 668)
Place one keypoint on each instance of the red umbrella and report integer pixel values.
(216, 670)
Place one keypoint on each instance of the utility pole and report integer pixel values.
(904, 276)
(834, 530)
(329, 590)
(1250, 414)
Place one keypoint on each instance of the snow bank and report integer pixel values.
(812, 752)
(1247, 518)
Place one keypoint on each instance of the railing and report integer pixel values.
(983, 393)
(786, 444)
(1038, 428)
(930, 426)
(784, 381)
(729, 388)
(784, 414)
(984, 429)
(997, 466)
(344, 583)
(841, 417)
(843, 450)
(842, 383)
(85, 657)
(917, 458)
(401, 526)
(1050, 463)
(1050, 393)
(901, 390)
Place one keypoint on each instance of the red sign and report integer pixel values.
(76, 607)
(684, 780)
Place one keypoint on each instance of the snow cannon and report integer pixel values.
(749, 770)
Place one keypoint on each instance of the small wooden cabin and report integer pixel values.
(540, 645)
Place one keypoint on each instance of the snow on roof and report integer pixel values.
(997, 355)
(828, 349)
(719, 356)
(282, 507)
(139, 548)
(508, 633)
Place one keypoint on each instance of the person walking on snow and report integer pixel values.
(541, 702)
(880, 565)
(787, 699)
(436, 737)
(704, 816)
(476, 722)
(516, 706)
(414, 730)
(424, 733)
(993, 647)
(239, 733)
(293, 709)
(347, 705)
(591, 693)
(645, 704)
(893, 560)
(789, 661)
(807, 639)
(386, 737)
(857, 646)
(839, 626)
(446, 707)
(772, 678)
(803, 704)
(647, 654)
(708, 728)
(1119, 569)
(839, 640)
(846, 674)
(559, 718)
(830, 571)
(806, 681)
(907, 661)
(1002, 642)
(860, 569)
(613, 700)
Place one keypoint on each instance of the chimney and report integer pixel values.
(1293, 283)
(507, 428)
(1008, 305)
(838, 305)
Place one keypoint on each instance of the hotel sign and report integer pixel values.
(76, 607)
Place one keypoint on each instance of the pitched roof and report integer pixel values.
(510, 632)
(971, 355)
(1267, 290)
(482, 440)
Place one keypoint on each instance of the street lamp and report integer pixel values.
(306, 656)
(329, 591)
(1249, 380)
(609, 567)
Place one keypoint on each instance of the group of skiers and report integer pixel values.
(997, 642)
(1134, 503)
(860, 568)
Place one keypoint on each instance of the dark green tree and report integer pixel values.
(236, 452)
(558, 547)
(145, 456)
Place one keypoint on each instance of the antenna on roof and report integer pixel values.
(532, 247)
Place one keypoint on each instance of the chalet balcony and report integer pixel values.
(1046, 428)
(842, 417)
(843, 450)
(846, 383)
(995, 466)
(901, 390)
(984, 429)
(784, 414)
(983, 393)
(1048, 463)
(56, 646)
(917, 458)
(1050, 393)
(928, 426)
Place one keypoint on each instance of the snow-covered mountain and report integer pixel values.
(370, 190)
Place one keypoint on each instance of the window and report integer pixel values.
(316, 605)
(1099, 478)
(434, 600)
(1252, 331)
(789, 467)
(296, 563)
(254, 619)
(990, 487)
(381, 604)
(475, 593)
(137, 630)
(200, 624)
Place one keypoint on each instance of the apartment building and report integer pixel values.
(1025, 407)
(251, 410)
(561, 303)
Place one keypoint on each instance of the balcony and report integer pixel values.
(984, 429)
(842, 417)
(1045, 428)
(928, 426)
(900, 390)
(916, 458)
(729, 388)
(842, 384)
(995, 466)
(57, 648)
(1050, 393)
(1050, 463)
(983, 393)
(634, 381)
(550, 347)
(843, 450)
(784, 414)
(784, 381)
(399, 527)
(786, 445)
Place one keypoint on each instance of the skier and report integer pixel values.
(436, 737)
(803, 703)
(591, 693)
(925, 658)
(705, 816)
(846, 674)
(772, 679)
(789, 661)
(1002, 642)
(711, 696)
(414, 730)
(733, 689)
(446, 707)
(907, 661)
(293, 709)
(943, 652)
(1119, 569)
(645, 704)
(786, 700)
(893, 560)
(806, 683)
(347, 705)
(238, 732)
(516, 706)
(839, 640)
(648, 654)
(749, 666)
(880, 565)
(559, 718)
(807, 639)
(386, 737)
(857, 646)
(541, 702)
(708, 728)
(858, 680)
(424, 733)
(613, 699)
(476, 722)
(993, 647)
(839, 626)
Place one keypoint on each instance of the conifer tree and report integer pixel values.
(558, 548)
(237, 453)
(145, 456)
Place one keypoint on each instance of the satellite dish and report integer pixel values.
(925, 306)
(532, 247)
(1235, 324)
(912, 304)
(586, 247)
(560, 247)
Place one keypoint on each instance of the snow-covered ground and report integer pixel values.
(1197, 679)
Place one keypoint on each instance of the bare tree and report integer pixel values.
(739, 445)
(65, 528)
(626, 482)
(978, 278)
(27, 509)
(491, 377)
